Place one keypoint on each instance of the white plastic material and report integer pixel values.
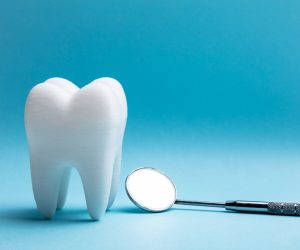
(83, 128)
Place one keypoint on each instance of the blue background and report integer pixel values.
(213, 95)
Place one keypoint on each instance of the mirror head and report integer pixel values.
(150, 189)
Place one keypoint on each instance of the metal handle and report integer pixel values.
(284, 208)
(279, 208)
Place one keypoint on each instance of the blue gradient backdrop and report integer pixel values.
(213, 92)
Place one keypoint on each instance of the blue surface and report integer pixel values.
(259, 173)
(213, 93)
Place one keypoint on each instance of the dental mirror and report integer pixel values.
(150, 189)
(153, 191)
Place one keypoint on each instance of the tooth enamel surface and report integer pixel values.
(68, 127)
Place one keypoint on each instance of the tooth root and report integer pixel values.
(116, 171)
(96, 184)
(115, 179)
(46, 179)
(63, 190)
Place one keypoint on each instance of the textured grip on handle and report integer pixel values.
(284, 208)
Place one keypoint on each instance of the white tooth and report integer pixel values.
(82, 128)
(118, 90)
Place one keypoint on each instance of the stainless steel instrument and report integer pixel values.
(152, 190)
(279, 208)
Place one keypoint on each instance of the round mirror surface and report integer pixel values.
(150, 189)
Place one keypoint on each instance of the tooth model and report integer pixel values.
(68, 127)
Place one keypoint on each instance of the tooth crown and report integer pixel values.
(81, 128)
